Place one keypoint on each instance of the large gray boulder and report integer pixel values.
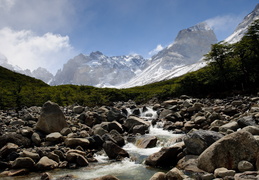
(229, 151)
(166, 157)
(158, 176)
(133, 121)
(23, 162)
(74, 142)
(14, 138)
(45, 164)
(51, 118)
(114, 151)
(196, 142)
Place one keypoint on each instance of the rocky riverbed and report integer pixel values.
(220, 138)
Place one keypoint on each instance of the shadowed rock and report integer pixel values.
(51, 118)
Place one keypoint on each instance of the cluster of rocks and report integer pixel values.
(221, 141)
(48, 137)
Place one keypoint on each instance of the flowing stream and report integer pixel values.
(128, 169)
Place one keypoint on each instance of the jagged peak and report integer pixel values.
(96, 53)
(203, 26)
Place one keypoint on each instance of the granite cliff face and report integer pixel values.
(188, 48)
(99, 70)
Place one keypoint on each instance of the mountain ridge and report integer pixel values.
(180, 57)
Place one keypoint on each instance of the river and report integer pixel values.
(128, 169)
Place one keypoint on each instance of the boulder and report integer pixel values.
(245, 166)
(158, 176)
(114, 115)
(197, 141)
(7, 149)
(248, 175)
(77, 158)
(166, 157)
(231, 125)
(229, 151)
(118, 138)
(36, 139)
(23, 162)
(31, 155)
(74, 142)
(140, 129)
(27, 131)
(146, 142)
(246, 121)
(114, 125)
(45, 164)
(51, 118)
(165, 113)
(254, 130)
(53, 156)
(65, 131)
(223, 172)
(78, 109)
(114, 151)
(175, 174)
(133, 121)
(189, 163)
(54, 137)
(14, 138)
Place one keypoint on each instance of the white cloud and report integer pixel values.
(223, 26)
(6, 5)
(158, 48)
(30, 51)
(39, 16)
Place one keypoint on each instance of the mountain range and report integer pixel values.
(96, 69)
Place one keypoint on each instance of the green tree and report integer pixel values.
(218, 61)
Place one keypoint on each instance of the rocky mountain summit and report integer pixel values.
(99, 70)
(219, 137)
(188, 48)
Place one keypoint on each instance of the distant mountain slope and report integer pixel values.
(242, 27)
(189, 47)
(11, 78)
(40, 73)
(99, 70)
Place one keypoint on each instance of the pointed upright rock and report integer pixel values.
(51, 118)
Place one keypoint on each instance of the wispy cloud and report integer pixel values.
(158, 48)
(224, 26)
(39, 16)
(29, 51)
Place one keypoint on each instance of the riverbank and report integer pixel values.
(214, 133)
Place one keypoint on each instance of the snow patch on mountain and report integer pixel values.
(99, 70)
(189, 47)
(243, 26)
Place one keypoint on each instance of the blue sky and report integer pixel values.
(48, 33)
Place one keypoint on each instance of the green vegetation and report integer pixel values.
(231, 69)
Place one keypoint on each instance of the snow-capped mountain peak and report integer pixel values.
(203, 26)
(242, 27)
(98, 69)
